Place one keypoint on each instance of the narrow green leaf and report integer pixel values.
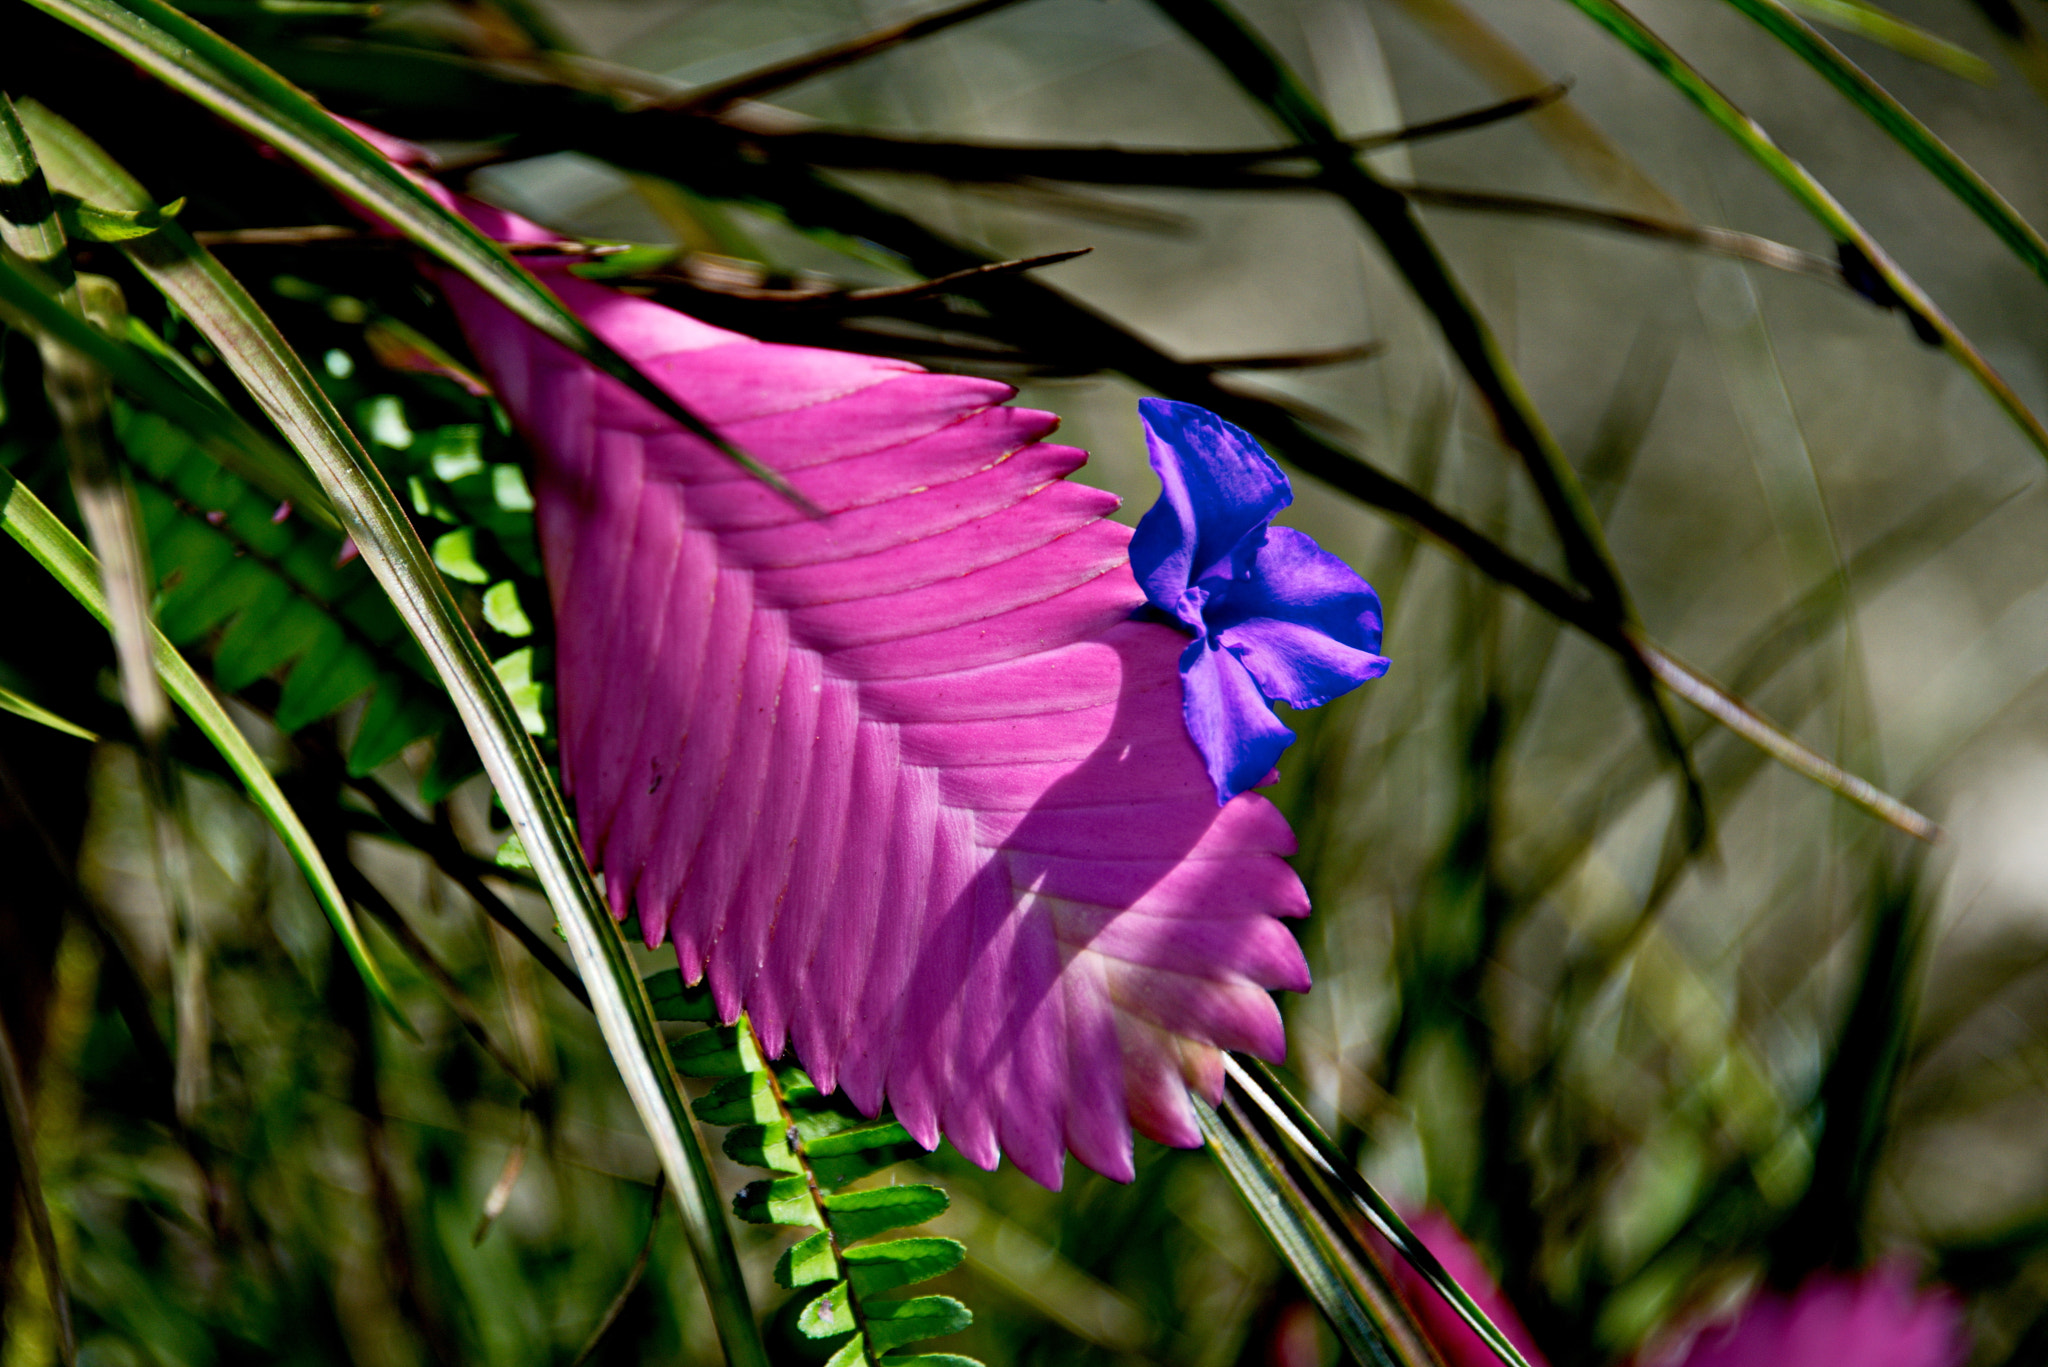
(807, 1262)
(881, 1135)
(777, 1201)
(830, 1315)
(515, 672)
(393, 720)
(762, 1146)
(457, 452)
(508, 489)
(97, 224)
(891, 1324)
(748, 1099)
(1877, 104)
(1814, 198)
(858, 1215)
(901, 1262)
(455, 555)
(675, 1000)
(274, 629)
(333, 672)
(847, 1155)
(199, 63)
(1260, 1181)
(721, 1051)
(1257, 1081)
(32, 524)
(853, 1353)
(10, 701)
(933, 1360)
(1881, 26)
(503, 611)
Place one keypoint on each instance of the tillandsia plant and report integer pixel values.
(593, 491)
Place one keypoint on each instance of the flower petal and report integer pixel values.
(1236, 731)
(1220, 491)
(1304, 623)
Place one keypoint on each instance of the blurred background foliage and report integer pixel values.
(1643, 1071)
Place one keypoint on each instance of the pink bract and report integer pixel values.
(905, 782)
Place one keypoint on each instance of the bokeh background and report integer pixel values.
(1642, 1074)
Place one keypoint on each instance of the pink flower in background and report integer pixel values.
(906, 782)
(1879, 1317)
(1455, 1341)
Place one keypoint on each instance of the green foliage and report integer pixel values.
(778, 1120)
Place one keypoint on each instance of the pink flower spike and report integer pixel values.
(1876, 1318)
(906, 782)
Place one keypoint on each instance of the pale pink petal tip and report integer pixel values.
(906, 782)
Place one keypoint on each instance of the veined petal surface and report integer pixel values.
(906, 782)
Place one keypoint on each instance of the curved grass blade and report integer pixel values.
(1891, 285)
(1367, 1315)
(1256, 1080)
(31, 523)
(261, 358)
(1259, 71)
(1881, 26)
(199, 63)
(10, 701)
(1899, 123)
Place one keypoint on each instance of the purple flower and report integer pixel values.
(905, 783)
(1276, 617)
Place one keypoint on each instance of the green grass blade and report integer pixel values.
(252, 347)
(1814, 197)
(1881, 26)
(199, 63)
(10, 701)
(29, 521)
(1256, 1080)
(1287, 1215)
(1387, 215)
(1899, 123)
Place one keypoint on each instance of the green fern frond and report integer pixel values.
(777, 1119)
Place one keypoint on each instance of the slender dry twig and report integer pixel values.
(508, 1177)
